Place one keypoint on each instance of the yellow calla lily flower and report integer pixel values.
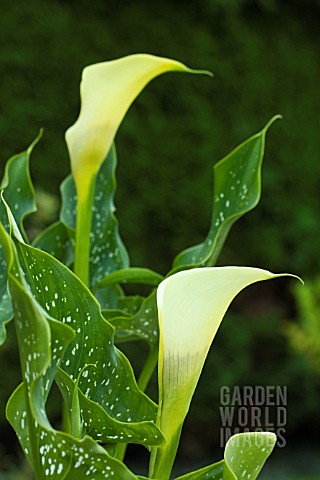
(191, 306)
(107, 91)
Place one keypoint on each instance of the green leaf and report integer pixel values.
(237, 188)
(62, 295)
(124, 306)
(42, 345)
(19, 193)
(244, 457)
(107, 252)
(212, 472)
(68, 210)
(60, 456)
(109, 297)
(131, 304)
(134, 317)
(18, 188)
(131, 275)
(94, 419)
(36, 333)
(246, 453)
(56, 241)
(74, 408)
(143, 325)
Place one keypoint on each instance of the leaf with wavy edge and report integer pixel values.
(61, 456)
(246, 453)
(97, 423)
(19, 193)
(244, 456)
(56, 241)
(113, 377)
(212, 472)
(143, 325)
(132, 275)
(237, 189)
(130, 304)
(63, 296)
(110, 297)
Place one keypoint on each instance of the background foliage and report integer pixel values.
(264, 55)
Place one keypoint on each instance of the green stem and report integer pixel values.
(83, 229)
(81, 258)
(162, 458)
(143, 380)
(65, 421)
(121, 451)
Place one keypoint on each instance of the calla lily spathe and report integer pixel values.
(107, 91)
(191, 306)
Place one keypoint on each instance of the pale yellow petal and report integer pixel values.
(191, 307)
(192, 304)
(107, 91)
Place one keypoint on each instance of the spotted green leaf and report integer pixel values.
(62, 295)
(244, 456)
(60, 456)
(135, 318)
(43, 337)
(130, 304)
(19, 193)
(237, 188)
(246, 453)
(142, 325)
(107, 252)
(109, 297)
(56, 241)
(96, 422)
(125, 306)
(212, 472)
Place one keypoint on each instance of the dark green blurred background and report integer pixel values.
(265, 57)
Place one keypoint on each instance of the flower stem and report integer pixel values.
(83, 229)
